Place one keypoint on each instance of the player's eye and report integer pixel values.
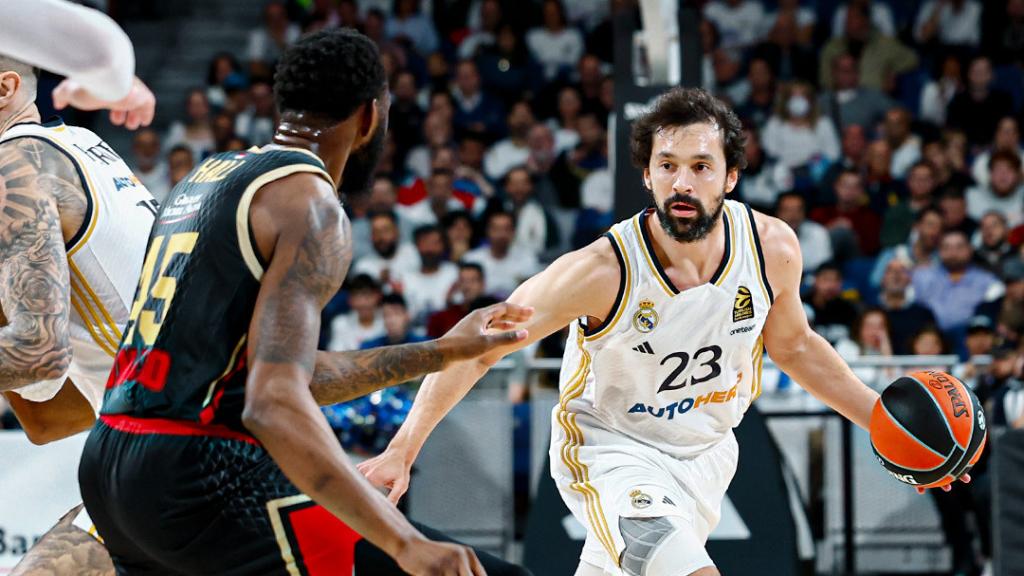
(666, 166)
(702, 167)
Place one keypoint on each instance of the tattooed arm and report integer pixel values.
(343, 376)
(34, 284)
(309, 257)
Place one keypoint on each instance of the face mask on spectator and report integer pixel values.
(798, 106)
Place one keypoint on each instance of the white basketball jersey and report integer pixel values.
(104, 257)
(673, 370)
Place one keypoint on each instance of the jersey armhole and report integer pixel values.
(760, 256)
(590, 332)
(80, 235)
(243, 226)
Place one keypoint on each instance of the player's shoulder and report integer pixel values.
(31, 154)
(596, 262)
(779, 242)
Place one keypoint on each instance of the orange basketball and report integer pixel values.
(928, 429)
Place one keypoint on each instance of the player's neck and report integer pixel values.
(22, 112)
(688, 264)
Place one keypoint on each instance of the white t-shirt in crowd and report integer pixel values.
(881, 18)
(406, 259)
(503, 276)
(737, 26)
(815, 244)
(348, 334)
(961, 27)
(797, 145)
(981, 200)
(555, 50)
(504, 156)
(427, 293)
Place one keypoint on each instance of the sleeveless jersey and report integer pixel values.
(669, 369)
(184, 352)
(104, 257)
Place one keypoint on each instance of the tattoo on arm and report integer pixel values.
(34, 284)
(343, 376)
(289, 324)
(66, 549)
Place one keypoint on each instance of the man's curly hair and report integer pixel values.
(682, 107)
(329, 73)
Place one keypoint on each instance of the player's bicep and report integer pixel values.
(34, 283)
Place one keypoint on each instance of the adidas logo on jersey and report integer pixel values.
(743, 307)
(644, 348)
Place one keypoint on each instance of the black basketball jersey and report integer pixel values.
(183, 355)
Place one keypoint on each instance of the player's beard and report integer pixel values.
(361, 167)
(689, 229)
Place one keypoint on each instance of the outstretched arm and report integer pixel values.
(343, 376)
(581, 283)
(34, 283)
(794, 347)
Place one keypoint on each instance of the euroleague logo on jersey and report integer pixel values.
(743, 306)
(646, 318)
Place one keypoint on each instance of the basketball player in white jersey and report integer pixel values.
(670, 314)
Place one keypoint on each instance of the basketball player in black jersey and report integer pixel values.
(210, 439)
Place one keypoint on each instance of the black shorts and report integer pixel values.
(169, 497)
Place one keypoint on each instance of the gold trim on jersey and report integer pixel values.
(94, 315)
(274, 511)
(614, 315)
(242, 215)
(727, 213)
(227, 369)
(571, 448)
(649, 256)
(757, 361)
(754, 256)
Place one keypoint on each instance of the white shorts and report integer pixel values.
(601, 484)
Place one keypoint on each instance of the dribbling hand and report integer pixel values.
(133, 111)
(486, 329)
(423, 557)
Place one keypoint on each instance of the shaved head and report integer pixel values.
(27, 72)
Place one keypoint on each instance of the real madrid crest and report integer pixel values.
(646, 318)
(639, 499)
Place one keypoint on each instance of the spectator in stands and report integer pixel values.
(791, 13)
(563, 125)
(729, 83)
(505, 264)
(221, 68)
(853, 156)
(555, 45)
(899, 219)
(787, 53)
(978, 109)
(469, 286)
(930, 341)
(938, 93)
(535, 229)
(955, 287)
(906, 317)
(543, 153)
(257, 122)
(475, 109)
(981, 336)
(882, 189)
(405, 119)
(380, 199)
(848, 102)
(1005, 403)
(992, 249)
(364, 321)
(1007, 311)
(440, 200)
(397, 324)
(375, 24)
(180, 162)
(408, 24)
(1005, 191)
(815, 244)
(508, 69)
(1007, 138)
(949, 23)
(491, 15)
(437, 133)
(945, 154)
(851, 219)
(905, 145)
(458, 234)
(739, 22)
(831, 315)
(572, 167)
(762, 180)
(921, 248)
(390, 257)
(879, 11)
(426, 288)
(797, 135)
(759, 104)
(1005, 40)
(953, 204)
(871, 338)
(512, 151)
(195, 132)
(882, 57)
(148, 165)
(589, 79)
(267, 43)
(223, 126)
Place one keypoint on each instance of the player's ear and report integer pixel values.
(9, 84)
(647, 179)
(731, 178)
(368, 118)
